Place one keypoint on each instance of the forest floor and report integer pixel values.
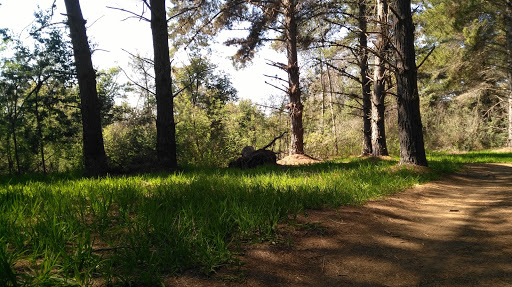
(456, 231)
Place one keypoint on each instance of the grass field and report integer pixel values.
(63, 230)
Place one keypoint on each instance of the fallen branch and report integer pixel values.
(274, 140)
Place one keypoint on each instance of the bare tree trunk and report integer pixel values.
(508, 20)
(13, 112)
(365, 81)
(295, 106)
(322, 120)
(166, 130)
(379, 144)
(510, 114)
(410, 128)
(40, 132)
(331, 107)
(95, 159)
(15, 142)
(324, 91)
(10, 161)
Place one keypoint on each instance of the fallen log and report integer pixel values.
(251, 158)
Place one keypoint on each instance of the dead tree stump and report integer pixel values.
(252, 158)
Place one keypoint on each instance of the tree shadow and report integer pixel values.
(455, 232)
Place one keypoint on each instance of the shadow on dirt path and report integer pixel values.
(452, 232)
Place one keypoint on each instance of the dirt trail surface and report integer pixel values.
(453, 232)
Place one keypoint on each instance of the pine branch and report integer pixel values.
(343, 72)
(146, 60)
(137, 84)
(182, 89)
(426, 57)
(135, 15)
(279, 88)
(348, 106)
(270, 107)
(183, 12)
(277, 65)
(276, 78)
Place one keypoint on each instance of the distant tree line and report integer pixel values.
(369, 77)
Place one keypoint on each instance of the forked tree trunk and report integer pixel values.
(295, 106)
(95, 159)
(410, 128)
(166, 132)
(379, 144)
(508, 19)
(365, 81)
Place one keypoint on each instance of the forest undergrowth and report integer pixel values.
(62, 230)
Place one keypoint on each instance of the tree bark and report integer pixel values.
(166, 130)
(40, 129)
(15, 142)
(331, 107)
(365, 81)
(410, 128)
(508, 20)
(295, 106)
(95, 159)
(379, 144)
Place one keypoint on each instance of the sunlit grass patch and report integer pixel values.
(474, 157)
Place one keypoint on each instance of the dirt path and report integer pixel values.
(452, 232)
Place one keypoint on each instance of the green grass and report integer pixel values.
(474, 157)
(65, 231)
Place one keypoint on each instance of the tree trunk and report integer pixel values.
(95, 159)
(331, 107)
(365, 81)
(379, 145)
(15, 143)
(324, 91)
(10, 161)
(40, 130)
(508, 20)
(410, 128)
(510, 114)
(12, 124)
(295, 106)
(166, 132)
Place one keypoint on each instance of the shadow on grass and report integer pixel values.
(456, 233)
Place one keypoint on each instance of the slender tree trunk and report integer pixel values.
(15, 143)
(365, 81)
(166, 130)
(324, 91)
(40, 132)
(295, 106)
(410, 128)
(95, 159)
(12, 123)
(379, 144)
(10, 161)
(322, 123)
(510, 114)
(508, 20)
(331, 107)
